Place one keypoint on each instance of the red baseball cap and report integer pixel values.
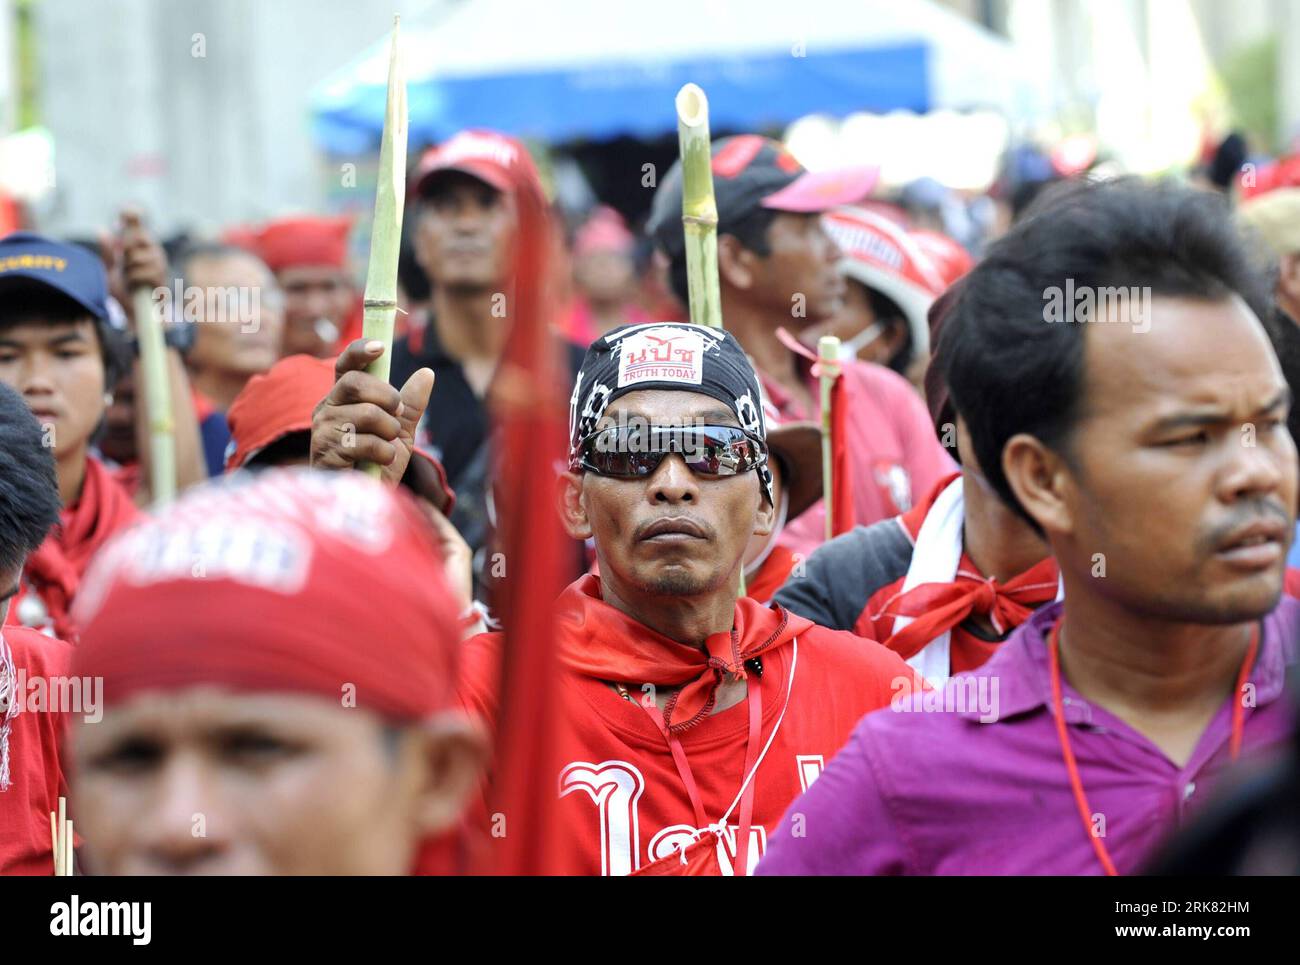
(885, 258)
(276, 403)
(750, 172)
(282, 400)
(500, 161)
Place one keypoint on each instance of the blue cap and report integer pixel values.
(68, 269)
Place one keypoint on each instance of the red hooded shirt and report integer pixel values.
(36, 777)
(624, 799)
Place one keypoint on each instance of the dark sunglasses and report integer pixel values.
(635, 451)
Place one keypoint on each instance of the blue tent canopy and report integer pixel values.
(597, 69)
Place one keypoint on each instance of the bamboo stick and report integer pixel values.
(386, 232)
(61, 839)
(700, 219)
(56, 844)
(157, 398)
(828, 354)
(699, 210)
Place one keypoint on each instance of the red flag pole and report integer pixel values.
(528, 405)
(828, 356)
(837, 484)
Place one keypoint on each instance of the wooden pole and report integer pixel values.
(157, 397)
(386, 231)
(56, 844)
(699, 210)
(828, 355)
(700, 218)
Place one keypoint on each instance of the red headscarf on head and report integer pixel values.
(298, 242)
(292, 581)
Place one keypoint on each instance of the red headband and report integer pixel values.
(308, 241)
(291, 581)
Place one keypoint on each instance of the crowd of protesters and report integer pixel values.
(1055, 611)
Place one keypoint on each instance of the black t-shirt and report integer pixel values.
(456, 427)
(461, 425)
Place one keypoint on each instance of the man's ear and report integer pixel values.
(765, 518)
(573, 514)
(455, 752)
(735, 263)
(1041, 481)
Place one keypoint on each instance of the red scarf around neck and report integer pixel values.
(598, 641)
(937, 607)
(56, 567)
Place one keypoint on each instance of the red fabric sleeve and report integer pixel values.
(36, 768)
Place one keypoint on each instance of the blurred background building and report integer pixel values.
(211, 112)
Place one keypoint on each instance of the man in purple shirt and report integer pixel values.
(1150, 448)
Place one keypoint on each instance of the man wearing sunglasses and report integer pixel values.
(694, 717)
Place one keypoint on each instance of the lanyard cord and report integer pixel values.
(755, 701)
(1067, 753)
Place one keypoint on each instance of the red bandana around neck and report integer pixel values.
(56, 567)
(941, 606)
(596, 640)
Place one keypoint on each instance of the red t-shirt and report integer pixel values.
(623, 801)
(35, 735)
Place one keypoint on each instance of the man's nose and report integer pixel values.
(467, 218)
(673, 482)
(35, 375)
(185, 826)
(1254, 468)
(317, 304)
(831, 248)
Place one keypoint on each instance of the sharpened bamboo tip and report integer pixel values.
(692, 106)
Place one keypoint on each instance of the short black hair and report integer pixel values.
(292, 447)
(1284, 333)
(1007, 369)
(23, 300)
(29, 489)
(750, 230)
